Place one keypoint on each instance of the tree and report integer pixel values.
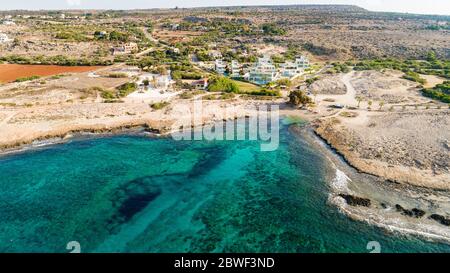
(370, 104)
(431, 56)
(222, 84)
(359, 99)
(298, 97)
(381, 104)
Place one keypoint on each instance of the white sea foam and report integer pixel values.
(428, 231)
(340, 182)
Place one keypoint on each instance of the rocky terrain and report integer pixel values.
(383, 86)
(410, 147)
(331, 85)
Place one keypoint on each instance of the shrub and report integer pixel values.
(159, 105)
(126, 89)
(222, 84)
(24, 79)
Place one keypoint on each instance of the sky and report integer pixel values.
(410, 6)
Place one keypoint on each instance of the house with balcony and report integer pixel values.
(220, 67)
(263, 71)
(235, 69)
(291, 69)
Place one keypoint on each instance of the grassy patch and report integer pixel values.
(440, 92)
(24, 79)
(159, 105)
(413, 76)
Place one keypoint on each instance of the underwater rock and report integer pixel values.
(415, 212)
(135, 196)
(441, 219)
(355, 201)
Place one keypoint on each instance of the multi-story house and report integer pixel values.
(263, 72)
(220, 67)
(290, 69)
(235, 69)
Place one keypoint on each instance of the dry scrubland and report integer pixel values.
(404, 139)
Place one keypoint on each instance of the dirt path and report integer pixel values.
(347, 99)
(350, 96)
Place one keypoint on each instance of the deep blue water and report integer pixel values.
(141, 194)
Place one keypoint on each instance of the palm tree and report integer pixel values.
(370, 104)
(381, 104)
(359, 99)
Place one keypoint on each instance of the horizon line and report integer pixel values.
(73, 9)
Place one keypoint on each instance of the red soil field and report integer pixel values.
(11, 72)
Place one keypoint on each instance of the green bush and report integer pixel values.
(440, 92)
(413, 76)
(159, 105)
(222, 84)
(126, 89)
(24, 79)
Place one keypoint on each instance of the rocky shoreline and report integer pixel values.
(393, 207)
(357, 153)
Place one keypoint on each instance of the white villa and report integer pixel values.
(263, 71)
(291, 69)
(220, 67)
(235, 69)
(155, 82)
(4, 38)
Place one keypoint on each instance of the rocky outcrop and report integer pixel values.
(441, 219)
(355, 201)
(416, 213)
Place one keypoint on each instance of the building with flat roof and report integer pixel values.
(263, 71)
(220, 67)
(235, 69)
(291, 69)
(124, 49)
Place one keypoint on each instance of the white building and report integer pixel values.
(149, 81)
(220, 67)
(9, 23)
(4, 38)
(235, 69)
(302, 62)
(124, 49)
(200, 84)
(263, 71)
(291, 69)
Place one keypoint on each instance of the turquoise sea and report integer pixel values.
(134, 193)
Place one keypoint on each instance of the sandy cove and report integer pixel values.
(27, 125)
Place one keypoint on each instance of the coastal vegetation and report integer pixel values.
(159, 105)
(299, 98)
(54, 60)
(440, 92)
(430, 66)
(223, 84)
(25, 79)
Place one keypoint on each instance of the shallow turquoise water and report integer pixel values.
(140, 194)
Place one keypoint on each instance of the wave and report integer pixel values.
(373, 216)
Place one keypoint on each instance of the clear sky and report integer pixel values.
(411, 6)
